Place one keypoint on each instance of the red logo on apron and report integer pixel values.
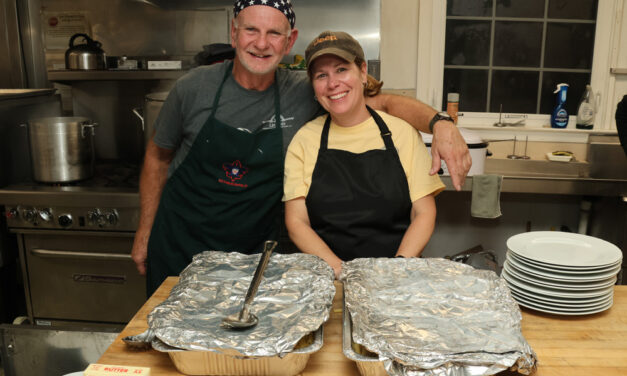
(234, 171)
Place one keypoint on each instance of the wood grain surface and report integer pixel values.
(565, 345)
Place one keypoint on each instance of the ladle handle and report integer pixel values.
(263, 262)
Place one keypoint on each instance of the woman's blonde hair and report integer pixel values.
(373, 86)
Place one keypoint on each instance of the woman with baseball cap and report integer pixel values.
(357, 181)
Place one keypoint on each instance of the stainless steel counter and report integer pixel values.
(38, 195)
(129, 198)
(553, 185)
(546, 177)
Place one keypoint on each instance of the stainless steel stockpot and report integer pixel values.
(152, 106)
(61, 148)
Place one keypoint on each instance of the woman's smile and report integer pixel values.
(339, 96)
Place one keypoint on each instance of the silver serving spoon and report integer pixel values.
(244, 319)
(140, 341)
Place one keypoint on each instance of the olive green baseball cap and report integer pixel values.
(336, 43)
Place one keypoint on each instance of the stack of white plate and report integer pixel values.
(561, 272)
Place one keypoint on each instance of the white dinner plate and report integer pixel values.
(561, 269)
(551, 291)
(550, 299)
(539, 281)
(565, 277)
(570, 312)
(563, 307)
(564, 248)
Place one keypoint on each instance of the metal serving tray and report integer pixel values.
(233, 363)
(368, 365)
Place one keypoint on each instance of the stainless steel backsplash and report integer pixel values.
(181, 28)
(163, 28)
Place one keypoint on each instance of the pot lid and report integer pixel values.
(159, 96)
(60, 120)
(22, 93)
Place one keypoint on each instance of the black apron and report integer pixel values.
(359, 204)
(225, 196)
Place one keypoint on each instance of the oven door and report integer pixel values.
(86, 276)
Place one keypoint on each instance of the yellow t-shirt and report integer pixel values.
(302, 153)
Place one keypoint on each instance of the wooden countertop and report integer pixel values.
(565, 345)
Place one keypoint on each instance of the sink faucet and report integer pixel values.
(500, 123)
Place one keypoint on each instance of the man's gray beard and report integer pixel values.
(250, 70)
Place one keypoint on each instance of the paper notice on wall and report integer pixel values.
(60, 26)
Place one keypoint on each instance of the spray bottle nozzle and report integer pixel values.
(559, 87)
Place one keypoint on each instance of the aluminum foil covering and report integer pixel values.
(294, 299)
(433, 316)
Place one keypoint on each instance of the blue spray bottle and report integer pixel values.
(559, 117)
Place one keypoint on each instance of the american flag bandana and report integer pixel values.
(284, 6)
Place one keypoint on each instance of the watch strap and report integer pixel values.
(437, 117)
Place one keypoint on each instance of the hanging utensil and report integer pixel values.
(244, 319)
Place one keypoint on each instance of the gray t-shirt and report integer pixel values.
(190, 102)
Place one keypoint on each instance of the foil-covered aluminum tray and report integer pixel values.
(461, 321)
(220, 363)
(367, 363)
(294, 299)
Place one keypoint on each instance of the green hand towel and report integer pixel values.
(486, 196)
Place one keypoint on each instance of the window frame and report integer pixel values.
(430, 66)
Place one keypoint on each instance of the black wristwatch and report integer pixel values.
(439, 116)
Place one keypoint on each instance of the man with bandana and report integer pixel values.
(213, 172)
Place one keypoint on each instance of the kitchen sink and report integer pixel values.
(537, 168)
(607, 157)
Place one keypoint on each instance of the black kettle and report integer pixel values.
(86, 56)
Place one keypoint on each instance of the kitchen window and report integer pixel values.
(510, 55)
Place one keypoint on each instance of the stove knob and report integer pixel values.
(93, 216)
(65, 220)
(12, 214)
(112, 218)
(102, 220)
(29, 215)
(45, 215)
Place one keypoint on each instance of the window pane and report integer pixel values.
(528, 8)
(515, 90)
(576, 86)
(579, 9)
(481, 8)
(472, 86)
(517, 44)
(569, 45)
(467, 42)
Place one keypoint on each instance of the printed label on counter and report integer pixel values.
(95, 369)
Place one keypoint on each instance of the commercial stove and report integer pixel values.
(74, 242)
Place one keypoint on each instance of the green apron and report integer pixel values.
(225, 196)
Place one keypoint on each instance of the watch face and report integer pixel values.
(444, 116)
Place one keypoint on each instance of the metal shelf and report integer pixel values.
(111, 75)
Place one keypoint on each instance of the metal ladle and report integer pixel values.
(140, 341)
(244, 319)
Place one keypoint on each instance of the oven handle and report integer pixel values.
(83, 255)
